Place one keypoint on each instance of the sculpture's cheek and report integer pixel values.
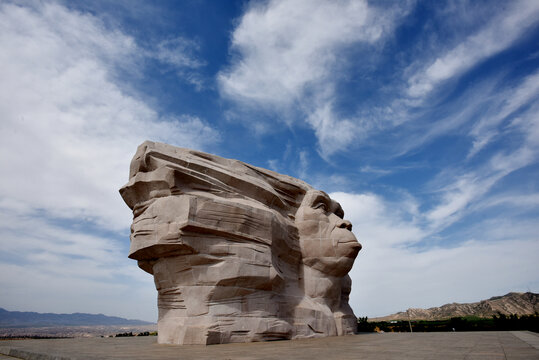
(319, 245)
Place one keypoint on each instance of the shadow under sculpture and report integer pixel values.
(238, 253)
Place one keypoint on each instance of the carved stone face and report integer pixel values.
(231, 262)
(326, 240)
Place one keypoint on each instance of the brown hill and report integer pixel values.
(512, 303)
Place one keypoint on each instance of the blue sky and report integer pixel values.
(420, 117)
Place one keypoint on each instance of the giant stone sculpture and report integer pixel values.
(238, 253)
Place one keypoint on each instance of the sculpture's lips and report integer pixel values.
(352, 244)
(344, 236)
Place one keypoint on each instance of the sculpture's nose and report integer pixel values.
(345, 224)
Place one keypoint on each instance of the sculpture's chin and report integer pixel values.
(333, 266)
(349, 249)
(345, 265)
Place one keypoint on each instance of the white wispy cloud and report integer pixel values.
(303, 164)
(69, 129)
(512, 99)
(374, 170)
(41, 261)
(405, 247)
(392, 274)
(289, 59)
(180, 54)
(488, 112)
(511, 200)
(460, 192)
(388, 280)
(405, 252)
(393, 223)
(501, 32)
(423, 110)
(64, 293)
(291, 64)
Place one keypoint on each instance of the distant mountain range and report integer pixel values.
(34, 319)
(512, 303)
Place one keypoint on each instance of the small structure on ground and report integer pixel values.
(238, 253)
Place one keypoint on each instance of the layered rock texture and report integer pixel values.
(512, 303)
(238, 253)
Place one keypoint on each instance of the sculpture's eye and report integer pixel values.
(321, 205)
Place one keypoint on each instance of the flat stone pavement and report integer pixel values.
(402, 346)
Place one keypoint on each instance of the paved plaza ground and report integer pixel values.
(455, 345)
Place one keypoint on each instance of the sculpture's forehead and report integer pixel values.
(313, 197)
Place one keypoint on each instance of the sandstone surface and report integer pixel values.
(238, 253)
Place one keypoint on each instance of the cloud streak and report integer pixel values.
(290, 61)
(501, 32)
(180, 55)
(423, 116)
(69, 127)
(391, 264)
